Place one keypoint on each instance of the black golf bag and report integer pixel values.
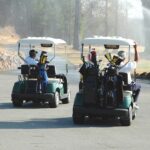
(112, 88)
(90, 83)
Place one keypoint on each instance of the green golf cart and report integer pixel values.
(25, 89)
(103, 92)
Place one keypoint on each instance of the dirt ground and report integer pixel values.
(8, 35)
(8, 59)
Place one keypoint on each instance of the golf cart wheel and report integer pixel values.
(78, 118)
(128, 120)
(55, 102)
(17, 103)
(67, 100)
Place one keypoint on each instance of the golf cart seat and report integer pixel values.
(126, 86)
(30, 71)
(64, 79)
(51, 72)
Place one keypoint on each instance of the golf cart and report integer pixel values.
(25, 89)
(103, 92)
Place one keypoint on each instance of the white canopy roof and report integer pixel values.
(108, 41)
(40, 40)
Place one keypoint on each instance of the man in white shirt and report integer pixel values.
(128, 68)
(31, 58)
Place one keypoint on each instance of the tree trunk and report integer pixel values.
(146, 4)
(106, 18)
(116, 18)
(77, 24)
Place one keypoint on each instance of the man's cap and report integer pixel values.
(122, 54)
(33, 51)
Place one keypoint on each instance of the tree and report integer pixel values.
(77, 24)
(116, 17)
(67, 19)
(146, 10)
(106, 18)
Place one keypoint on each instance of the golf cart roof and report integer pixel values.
(108, 41)
(41, 40)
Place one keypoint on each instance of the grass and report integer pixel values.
(143, 66)
(73, 57)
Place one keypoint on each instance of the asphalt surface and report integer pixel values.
(43, 128)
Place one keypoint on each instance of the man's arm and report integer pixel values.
(136, 56)
(136, 59)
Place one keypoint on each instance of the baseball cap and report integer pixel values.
(122, 54)
(33, 51)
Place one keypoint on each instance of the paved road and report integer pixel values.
(43, 128)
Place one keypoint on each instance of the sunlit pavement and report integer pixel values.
(40, 127)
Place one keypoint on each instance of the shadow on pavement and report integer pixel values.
(56, 123)
(6, 106)
(29, 105)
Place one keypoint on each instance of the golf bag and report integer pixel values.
(90, 83)
(113, 88)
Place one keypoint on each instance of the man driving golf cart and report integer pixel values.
(128, 68)
(31, 59)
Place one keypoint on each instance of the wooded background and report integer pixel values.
(72, 20)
